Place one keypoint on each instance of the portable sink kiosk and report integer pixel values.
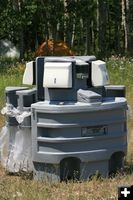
(78, 122)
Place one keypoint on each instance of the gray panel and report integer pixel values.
(12, 98)
(39, 78)
(89, 133)
(115, 91)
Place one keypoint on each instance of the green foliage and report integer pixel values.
(121, 72)
(11, 72)
(87, 26)
(10, 66)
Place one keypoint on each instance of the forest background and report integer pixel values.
(99, 27)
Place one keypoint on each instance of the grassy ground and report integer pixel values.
(9, 76)
(24, 188)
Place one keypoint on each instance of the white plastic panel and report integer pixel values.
(28, 74)
(57, 75)
(99, 73)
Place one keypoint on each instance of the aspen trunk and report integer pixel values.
(124, 5)
(102, 27)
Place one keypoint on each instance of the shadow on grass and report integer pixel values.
(127, 170)
(22, 174)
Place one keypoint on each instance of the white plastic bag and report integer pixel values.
(4, 145)
(20, 118)
(15, 142)
(20, 154)
(11, 111)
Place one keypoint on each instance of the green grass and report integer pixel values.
(22, 188)
(121, 73)
(10, 75)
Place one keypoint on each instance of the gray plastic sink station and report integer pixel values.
(76, 121)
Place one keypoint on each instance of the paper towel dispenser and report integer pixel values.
(99, 73)
(29, 74)
(57, 75)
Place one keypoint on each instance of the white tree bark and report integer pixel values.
(125, 6)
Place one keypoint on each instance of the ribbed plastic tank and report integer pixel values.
(75, 140)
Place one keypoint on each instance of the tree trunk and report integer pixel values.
(130, 27)
(18, 5)
(102, 27)
(73, 33)
(117, 27)
(21, 46)
(65, 18)
(87, 42)
(124, 24)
